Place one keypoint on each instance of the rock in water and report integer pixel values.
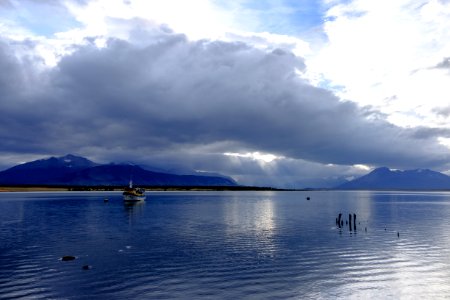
(68, 258)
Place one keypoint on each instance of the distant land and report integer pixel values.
(385, 179)
(76, 171)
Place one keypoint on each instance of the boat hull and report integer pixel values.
(133, 198)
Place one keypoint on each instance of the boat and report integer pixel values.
(133, 194)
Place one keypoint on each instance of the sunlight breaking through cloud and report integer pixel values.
(362, 167)
(255, 156)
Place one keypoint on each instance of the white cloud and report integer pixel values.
(380, 53)
(197, 19)
(103, 19)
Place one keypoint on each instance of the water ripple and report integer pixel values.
(224, 245)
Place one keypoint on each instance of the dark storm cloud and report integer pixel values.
(169, 97)
(13, 86)
(426, 133)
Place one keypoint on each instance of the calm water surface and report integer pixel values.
(225, 245)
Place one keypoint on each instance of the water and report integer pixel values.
(225, 245)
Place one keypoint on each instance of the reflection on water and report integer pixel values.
(263, 219)
(134, 210)
(252, 221)
(191, 245)
(252, 215)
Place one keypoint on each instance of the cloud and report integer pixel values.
(41, 18)
(374, 50)
(5, 3)
(168, 100)
(115, 86)
(442, 111)
(444, 64)
(425, 133)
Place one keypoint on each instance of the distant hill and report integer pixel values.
(384, 178)
(71, 170)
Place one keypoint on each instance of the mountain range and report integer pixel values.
(383, 179)
(71, 170)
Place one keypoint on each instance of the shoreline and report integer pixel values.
(9, 189)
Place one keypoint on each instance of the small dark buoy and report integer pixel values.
(86, 267)
(398, 234)
(307, 198)
(365, 229)
(68, 258)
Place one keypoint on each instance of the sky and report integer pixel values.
(284, 93)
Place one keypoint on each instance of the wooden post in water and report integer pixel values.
(354, 222)
(350, 221)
